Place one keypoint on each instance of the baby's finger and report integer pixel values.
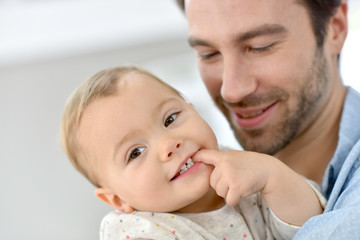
(215, 178)
(232, 198)
(207, 156)
(221, 189)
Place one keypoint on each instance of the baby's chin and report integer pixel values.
(209, 201)
(201, 200)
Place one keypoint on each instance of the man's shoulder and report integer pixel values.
(350, 119)
(352, 97)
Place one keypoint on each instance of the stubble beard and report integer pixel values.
(272, 139)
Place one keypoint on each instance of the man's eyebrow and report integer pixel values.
(266, 29)
(194, 41)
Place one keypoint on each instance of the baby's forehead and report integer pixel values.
(132, 94)
(146, 82)
(144, 78)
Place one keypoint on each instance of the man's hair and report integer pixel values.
(320, 12)
(101, 84)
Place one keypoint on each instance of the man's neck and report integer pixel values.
(310, 153)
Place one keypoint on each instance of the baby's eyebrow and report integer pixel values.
(164, 102)
(123, 140)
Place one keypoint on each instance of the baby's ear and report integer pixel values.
(113, 200)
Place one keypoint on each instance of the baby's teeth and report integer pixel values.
(183, 168)
(189, 163)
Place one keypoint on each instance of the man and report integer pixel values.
(272, 69)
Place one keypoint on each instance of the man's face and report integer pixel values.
(260, 63)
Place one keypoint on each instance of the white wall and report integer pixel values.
(47, 48)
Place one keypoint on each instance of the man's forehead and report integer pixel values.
(237, 8)
(214, 19)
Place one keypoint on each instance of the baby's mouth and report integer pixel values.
(189, 163)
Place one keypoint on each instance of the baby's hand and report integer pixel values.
(237, 174)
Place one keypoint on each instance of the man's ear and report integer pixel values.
(339, 27)
(113, 200)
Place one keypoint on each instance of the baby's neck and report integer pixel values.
(209, 202)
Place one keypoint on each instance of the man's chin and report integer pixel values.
(256, 141)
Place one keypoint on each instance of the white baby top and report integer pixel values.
(250, 219)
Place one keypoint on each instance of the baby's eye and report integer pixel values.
(135, 153)
(170, 119)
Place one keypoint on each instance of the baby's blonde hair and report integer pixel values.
(101, 84)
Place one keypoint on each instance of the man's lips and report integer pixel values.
(252, 117)
(249, 112)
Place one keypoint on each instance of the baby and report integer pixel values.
(157, 163)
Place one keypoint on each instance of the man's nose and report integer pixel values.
(237, 80)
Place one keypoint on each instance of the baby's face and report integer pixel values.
(141, 141)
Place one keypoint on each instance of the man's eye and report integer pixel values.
(135, 153)
(261, 49)
(208, 56)
(170, 119)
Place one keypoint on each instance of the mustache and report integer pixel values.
(253, 100)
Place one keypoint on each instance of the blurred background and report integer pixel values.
(47, 48)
